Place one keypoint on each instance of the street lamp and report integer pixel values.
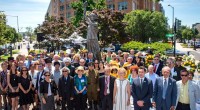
(173, 29)
(17, 21)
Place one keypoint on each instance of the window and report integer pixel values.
(68, 15)
(109, 0)
(68, 7)
(61, 15)
(62, 8)
(111, 6)
(122, 5)
(62, 1)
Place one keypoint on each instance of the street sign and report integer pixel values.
(169, 35)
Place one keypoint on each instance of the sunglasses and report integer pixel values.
(80, 70)
(64, 71)
(184, 75)
(24, 70)
(47, 75)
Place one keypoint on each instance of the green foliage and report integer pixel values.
(143, 25)
(4, 58)
(187, 33)
(56, 28)
(15, 51)
(7, 33)
(78, 6)
(156, 47)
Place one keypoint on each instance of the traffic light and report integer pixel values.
(177, 25)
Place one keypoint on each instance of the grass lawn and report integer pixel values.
(15, 51)
(186, 46)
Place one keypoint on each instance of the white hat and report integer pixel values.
(67, 59)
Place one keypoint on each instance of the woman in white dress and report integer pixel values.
(121, 95)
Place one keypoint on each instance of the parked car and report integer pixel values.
(178, 52)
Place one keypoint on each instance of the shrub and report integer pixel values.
(157, 47)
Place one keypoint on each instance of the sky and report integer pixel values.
(188, 11)
(32, 12)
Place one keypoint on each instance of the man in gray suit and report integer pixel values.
(165, 91)
(188, 93)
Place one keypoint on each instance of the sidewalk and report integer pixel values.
(179, 47)
(22, 51)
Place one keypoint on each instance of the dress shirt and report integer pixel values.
(108, 83)
(173, 73)
(152, 77)
(157, 65)
(49, 90)
(167, 79)
(56, 75)
(184, 95)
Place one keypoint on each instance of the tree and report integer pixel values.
(11, 35)
(30, 34)
(2, 28)
(187, 34)
(142, 25)
(111, 27)
(56, 28)
(78, 6)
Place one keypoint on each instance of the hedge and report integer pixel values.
(157, 47)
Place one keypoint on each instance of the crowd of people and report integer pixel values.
(78, 81)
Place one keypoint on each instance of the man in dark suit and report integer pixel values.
(90, 58)
(142, 90)
(40, 78)
(106, 86)
(179, 68)
(165, 91)
(158, 65)
(66, 89)
(174, 71)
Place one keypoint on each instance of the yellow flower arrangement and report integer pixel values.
(149, 60)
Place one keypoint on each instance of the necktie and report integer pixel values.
(155, 66)
(29, 64)
(106, 86)
(49, 90)
(141, 83)
(164, 89)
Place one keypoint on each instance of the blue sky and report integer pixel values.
(188, 11)
(32, 12)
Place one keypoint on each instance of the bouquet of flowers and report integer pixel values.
(189, 63)
(148, 60)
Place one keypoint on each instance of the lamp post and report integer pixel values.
(17, 21)
(173, 29)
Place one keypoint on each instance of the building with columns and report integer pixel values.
(61, 8)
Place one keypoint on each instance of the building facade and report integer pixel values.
(197, 26)
(61, 8)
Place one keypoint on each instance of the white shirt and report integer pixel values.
(142, 80)
(167, 79)
(152, 77)
(33, 76)
(173, 73)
